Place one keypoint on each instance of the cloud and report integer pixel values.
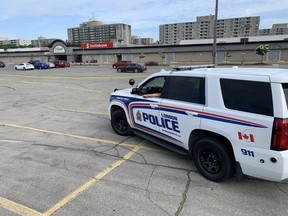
(144, 16)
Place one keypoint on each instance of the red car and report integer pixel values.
(61, 63)
(121, 63)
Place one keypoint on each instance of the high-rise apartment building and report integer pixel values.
(203, 28)
(277, 29)
(95, 31)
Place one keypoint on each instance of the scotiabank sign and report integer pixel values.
(96, 45)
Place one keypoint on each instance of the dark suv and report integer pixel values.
(120, 64)
(132, 68)
(2, 64)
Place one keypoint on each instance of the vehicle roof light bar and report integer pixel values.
(191, 67)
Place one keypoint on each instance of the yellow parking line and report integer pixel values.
(85, 186)
(65, 134)
(84, 137)
(18, 208)
(79, 111)
(23, 210)
(85, 89)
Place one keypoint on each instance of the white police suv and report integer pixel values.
(230, 120)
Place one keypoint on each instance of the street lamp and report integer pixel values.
(215, 34)
(245, 26)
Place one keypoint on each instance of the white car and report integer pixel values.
(51, 65)
(24, 66)
(231, 121)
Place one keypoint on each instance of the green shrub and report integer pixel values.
(151, 63)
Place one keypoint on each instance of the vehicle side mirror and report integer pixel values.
(131, 82)
(134, 91)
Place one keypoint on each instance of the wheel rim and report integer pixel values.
(121, 125)
(211, 161)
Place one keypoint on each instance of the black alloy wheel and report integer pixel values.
(119, 123)
(213, 159)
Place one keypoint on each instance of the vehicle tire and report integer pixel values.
(119, 123)
(136, 70)
(213, 159)
(119, 69)
(114, 67)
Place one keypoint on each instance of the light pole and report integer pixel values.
(245, 26)
(215, 34)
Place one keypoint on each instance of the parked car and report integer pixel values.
(61, 63)
(33, 61)
(51, 65)
(120, 64)
(132, 68)
(2, 64)
(41, 65)
(24, 66)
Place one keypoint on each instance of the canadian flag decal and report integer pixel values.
(249, 137)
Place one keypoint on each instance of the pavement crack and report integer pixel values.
(9, 87)
(184, 196)
(149, 193)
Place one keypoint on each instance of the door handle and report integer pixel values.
(154, 106)
(192, 113)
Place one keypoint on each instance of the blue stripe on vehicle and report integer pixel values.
(250, 124)
(208, 116)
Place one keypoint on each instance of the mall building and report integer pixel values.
(229, 50)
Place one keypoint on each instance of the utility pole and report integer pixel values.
(245, 27)
(215, 34)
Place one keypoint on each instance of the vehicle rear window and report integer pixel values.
(247, 96)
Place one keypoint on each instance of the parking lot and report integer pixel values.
(60, 156)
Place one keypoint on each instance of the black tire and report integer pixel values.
(119, 69)
(136, 70)
(119, 123)
(213, 159)
(114, 67)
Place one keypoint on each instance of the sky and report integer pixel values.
(30, 19)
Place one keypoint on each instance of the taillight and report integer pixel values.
(280, 135)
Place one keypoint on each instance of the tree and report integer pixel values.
(227, 56)
(141, 56)
(262, 50)
(162, 55)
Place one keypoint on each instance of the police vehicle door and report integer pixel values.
(183, 100)
(145, 111)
